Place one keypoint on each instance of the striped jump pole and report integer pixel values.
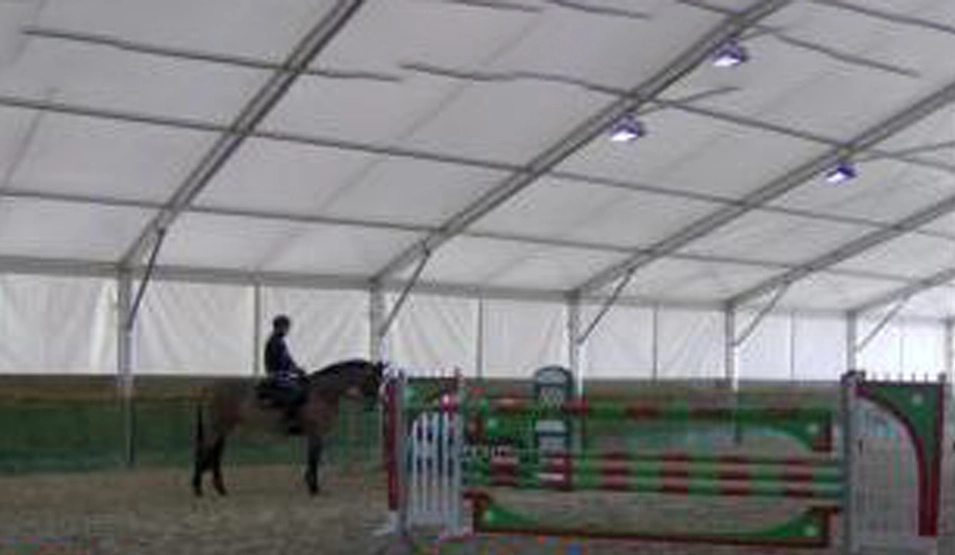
(819, 474)
(831, 493)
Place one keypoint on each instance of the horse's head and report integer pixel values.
(369, 380)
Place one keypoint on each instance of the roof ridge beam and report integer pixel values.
(777, 188)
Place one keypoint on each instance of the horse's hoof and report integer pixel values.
(312, 484)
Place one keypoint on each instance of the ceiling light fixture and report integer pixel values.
(629, 129)
(731, 54)
(844, 171)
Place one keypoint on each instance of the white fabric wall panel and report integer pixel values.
(434, 334)
(882, 355)
(819, 348)
(52, 325)
(690, 344)
(621, 346)
(327, 326)
(186, 328)
(765, 355)
(520, 337)
(923, 348)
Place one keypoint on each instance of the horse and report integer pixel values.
(227, 404)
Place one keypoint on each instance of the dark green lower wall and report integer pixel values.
(76, 435)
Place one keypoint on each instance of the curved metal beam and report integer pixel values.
(937, 279)
(851, 249)
(547, 160)
(776, 189)
(251, 115)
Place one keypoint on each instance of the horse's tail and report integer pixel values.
(200, 431)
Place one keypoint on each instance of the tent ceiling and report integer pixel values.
(416, 110)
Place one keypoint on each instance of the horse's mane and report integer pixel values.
(345, 366)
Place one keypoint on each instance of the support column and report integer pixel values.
(479, 351)
(376, 317)
(729, 347)
(256, 328)
(792, 346)
(574, 344)
(655, 347)
(852, 341)
(950, 350)
(124, 362)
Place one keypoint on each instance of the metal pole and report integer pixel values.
(852, 337)
(124, 362)
(130, 316)
(730, 347)
(849, 383)
(479, 353)
(396, 309)
(792, 346)
(607, 305)
(882, 324)
(575, 341)
(950, 349)
(760, 316)
(655, 347)
(376, 311)
(256, 328)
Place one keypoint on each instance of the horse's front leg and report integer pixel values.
(217, 481)
(315, 445)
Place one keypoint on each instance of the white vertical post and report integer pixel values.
(903, 327)
(376, 317)
(729, 347)
(950, 349)
(479, 352)
(792, 345)
(849, 383)
(124, 361)
(256, 328)
(655, 348)
(573, 341)
(852, 341)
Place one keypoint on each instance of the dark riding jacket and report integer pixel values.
(279, 364)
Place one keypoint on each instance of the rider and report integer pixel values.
(285, 376)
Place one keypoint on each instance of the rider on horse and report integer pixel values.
(285, 378)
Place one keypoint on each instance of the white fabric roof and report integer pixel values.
(468, 127)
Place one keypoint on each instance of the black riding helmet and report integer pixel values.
(281, 322)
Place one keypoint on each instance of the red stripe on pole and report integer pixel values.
(676, 489)
(797, 476)
(799, 493)
(734, 475)
(738, 490)
(639, 412)
(674, 472)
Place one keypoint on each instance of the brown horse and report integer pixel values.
(227, 404)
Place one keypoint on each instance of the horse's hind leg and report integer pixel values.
(315, 445)
(216, 463)
(200, 465)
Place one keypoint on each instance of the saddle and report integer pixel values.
(273, 395)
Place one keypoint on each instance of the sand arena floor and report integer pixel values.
(152, 512)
